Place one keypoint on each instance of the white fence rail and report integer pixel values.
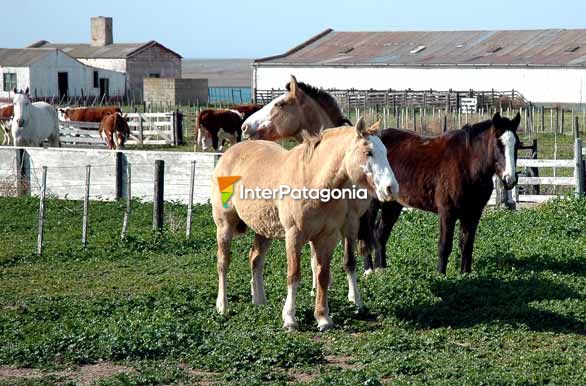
(145, 128)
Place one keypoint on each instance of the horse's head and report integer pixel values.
(63, 114)
(281, 118)
(507, 142)
(367, 165)
(21, 103)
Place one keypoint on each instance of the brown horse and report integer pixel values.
(301, 108)
(114, 130)
(6, 113)
(450, 175)
(334, 160)
(213, 124)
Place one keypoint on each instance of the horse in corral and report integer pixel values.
(333, 160)
(211, 124)
(302, 108)
(33, 123)
(114, 130)
(247, 110)
(6, 113)
(88, 114)
(451, 175)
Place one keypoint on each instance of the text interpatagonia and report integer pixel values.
(304, 193)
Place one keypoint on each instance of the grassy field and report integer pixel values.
(142, 311)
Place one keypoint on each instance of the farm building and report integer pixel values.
(50, 72)
(546, 66)
(136, 60)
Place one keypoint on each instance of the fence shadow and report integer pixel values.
(466, 303)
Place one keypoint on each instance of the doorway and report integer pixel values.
(63, 84)
(104, 87)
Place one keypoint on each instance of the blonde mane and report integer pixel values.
(311, 142)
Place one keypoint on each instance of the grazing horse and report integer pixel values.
(88, 114)
(301, 108)
(6, 113)
(334, 160)
(33, 123)
(114, 130)
(450, 175)
(216, 126)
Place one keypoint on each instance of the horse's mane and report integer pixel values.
(326, 101)
(473, 130)
(311, 142)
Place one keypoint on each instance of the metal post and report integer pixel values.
(42, 212)
(190, 203)
(86, 200)
(128, 203)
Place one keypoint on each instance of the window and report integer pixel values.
(9, 81)
(154, 75)
(96, 82)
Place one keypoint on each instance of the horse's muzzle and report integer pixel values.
(20, 122)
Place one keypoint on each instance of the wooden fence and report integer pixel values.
(145, 128)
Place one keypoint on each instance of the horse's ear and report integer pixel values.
(294, 88)
(375, 128)
(497, 121)
(14, 90)
(26, 91)
(515, 122)
(361, 128)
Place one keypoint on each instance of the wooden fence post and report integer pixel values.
(128, 203)
(86, 200)
(158, 196)
(579, 165)
(119, 175)
(42, 212)
(190, 203)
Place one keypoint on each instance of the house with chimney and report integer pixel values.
(136, 61)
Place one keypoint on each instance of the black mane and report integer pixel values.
(477, 128)
(326, 101)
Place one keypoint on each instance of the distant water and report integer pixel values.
(232, 95)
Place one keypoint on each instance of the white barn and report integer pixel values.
(49, 72)
(546, 66)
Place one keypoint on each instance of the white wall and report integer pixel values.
(44, 77)
(22, 79)
(118, 65)
(536, 84)
(66, 172)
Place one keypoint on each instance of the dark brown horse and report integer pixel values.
(450, 175)
(114, 130)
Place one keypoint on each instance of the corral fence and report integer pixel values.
(145, 129)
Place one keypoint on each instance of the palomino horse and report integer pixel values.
(333, 160)
(301, 108)
(114, 130)
(306, 109)
(450, 175)
(33, 123)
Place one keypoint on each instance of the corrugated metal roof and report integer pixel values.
(551, 47)
(22, 57)
(111, 51)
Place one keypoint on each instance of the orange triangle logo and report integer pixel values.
(225, 182)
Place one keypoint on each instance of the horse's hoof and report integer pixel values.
(290, 326)
(221, 307)
(379, 270)
(368, 272)
(312, 293)
(325, 326)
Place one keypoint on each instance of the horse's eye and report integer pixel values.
(369, 153)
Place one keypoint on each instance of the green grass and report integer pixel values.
(148, 304)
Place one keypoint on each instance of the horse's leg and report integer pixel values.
(447, 223)
(257, 262)
(350, 269)
(468, 225)
(224, 240)
(324, 247)
(314, 269)
(366, 234)
(294, 243)
(390, 213)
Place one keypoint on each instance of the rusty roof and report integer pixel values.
(110, 51)
(549, 47)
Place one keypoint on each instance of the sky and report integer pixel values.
(257, 28)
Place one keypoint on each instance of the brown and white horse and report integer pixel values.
(334, 160)
(450, 175)
(6, 113)
(114, 130)
(88, 114)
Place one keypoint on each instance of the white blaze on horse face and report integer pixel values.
(206, 141)
(509, 176)
(261, 118)
(385, 183)
(21, 105)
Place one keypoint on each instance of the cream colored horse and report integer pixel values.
(337, 158)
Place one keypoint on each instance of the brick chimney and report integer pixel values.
(101, 31)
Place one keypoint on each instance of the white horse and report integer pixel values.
(33, 123)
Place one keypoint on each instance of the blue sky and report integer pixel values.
(250, 29)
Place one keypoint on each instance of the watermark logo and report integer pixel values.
(226, 185)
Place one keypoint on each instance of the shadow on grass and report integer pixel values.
(466, 303)
(576, 265)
